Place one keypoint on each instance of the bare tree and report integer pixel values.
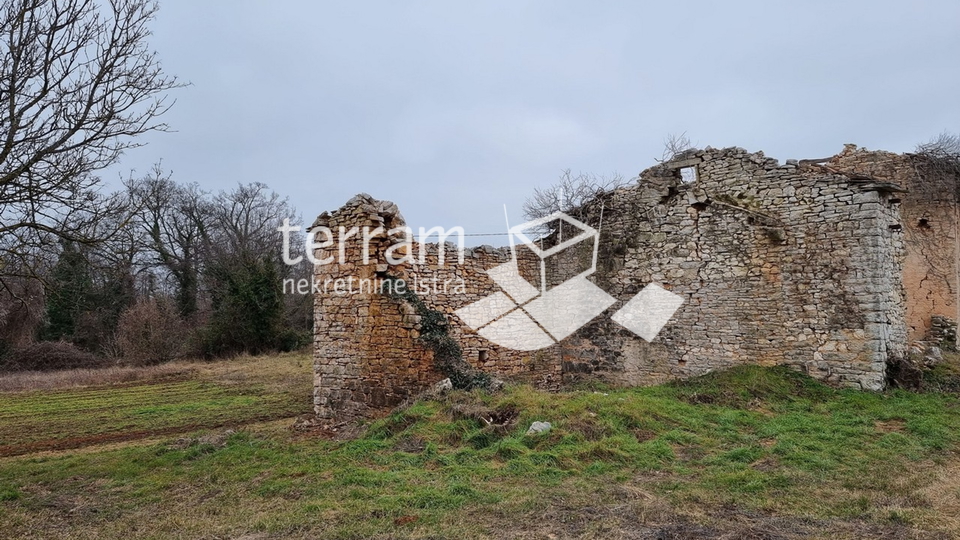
(21, 311)
(78, 84)
(930, 207)
(244, 275)
(246, 221)
(938, 167)
(176, 220)
(569, 194)
(193, 238)
(944, 145)
(674, 145)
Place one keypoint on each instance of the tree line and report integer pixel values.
(185, 273)
(153, 271)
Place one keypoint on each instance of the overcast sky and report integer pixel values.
(453, 109)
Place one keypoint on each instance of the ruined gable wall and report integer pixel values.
(778, 264)
(929, 217)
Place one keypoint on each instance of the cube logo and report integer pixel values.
(538, 307)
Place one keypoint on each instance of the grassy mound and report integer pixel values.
(745, 431)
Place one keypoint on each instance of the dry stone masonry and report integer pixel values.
(930, 225)
(798, 264)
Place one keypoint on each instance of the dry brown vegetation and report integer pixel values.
(75, 378)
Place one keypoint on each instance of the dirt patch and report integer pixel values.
(766, 464)
(411, 445)
(649, 518)
(890, 426)
(217, 439)
(589, 426)
(644, 435)
(71, 443)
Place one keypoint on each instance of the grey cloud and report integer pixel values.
(454, 109)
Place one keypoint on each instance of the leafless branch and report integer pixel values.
(569, 194)
(938, 169)
(674, 145)
(78, 84)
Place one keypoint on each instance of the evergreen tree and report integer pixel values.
(248, 308)
(69, 293)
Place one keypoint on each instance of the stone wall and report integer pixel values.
(779, 264)
(795, 264)
(930, 221)
(366, 349)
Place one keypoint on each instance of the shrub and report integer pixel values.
(248, 306)
(149, 332)
(48, 356)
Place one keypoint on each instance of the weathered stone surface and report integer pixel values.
(930, 227)
(367, 355)
(942, 332)
(800, 264)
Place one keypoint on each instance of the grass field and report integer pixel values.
(180, 398)
(749, 453)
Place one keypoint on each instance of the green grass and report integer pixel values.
(36, 420)
(759, 440)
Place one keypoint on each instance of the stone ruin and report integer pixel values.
(832, 266)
